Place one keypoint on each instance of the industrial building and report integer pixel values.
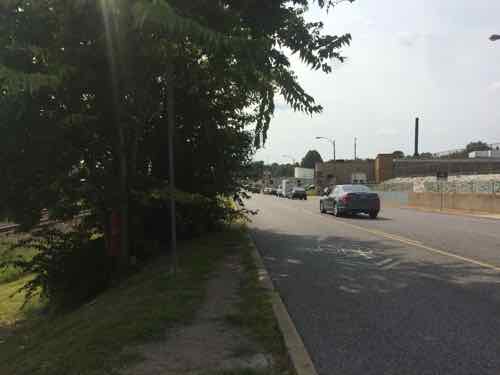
(385, 167)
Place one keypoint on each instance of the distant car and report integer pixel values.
(274, 191)
(351, 199)
(298, 193)
(279, 192)
(254, 189)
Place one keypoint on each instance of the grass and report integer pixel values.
(92, 339)
(7, 253)
(11, 303)
(256, 317)
(237, 372)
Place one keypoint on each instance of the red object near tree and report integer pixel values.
(115, 235)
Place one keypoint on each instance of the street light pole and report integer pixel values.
(355, 148)
(332, 141)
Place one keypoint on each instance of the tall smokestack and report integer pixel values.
(416, 136)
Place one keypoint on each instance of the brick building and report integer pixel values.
(385, 167)
(344, 172)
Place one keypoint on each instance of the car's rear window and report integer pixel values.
(356, 189)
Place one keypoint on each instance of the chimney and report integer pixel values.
(416, 136)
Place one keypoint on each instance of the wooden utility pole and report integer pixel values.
(171, 162)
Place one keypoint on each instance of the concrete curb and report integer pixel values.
(297, 351)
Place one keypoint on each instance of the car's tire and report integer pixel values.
(336, 211)
(321, 208)
(373, 214)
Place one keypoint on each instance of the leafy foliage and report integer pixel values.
(281, 170)
(477, 146)
(68, 268)
(83, 106)
(312, 157)
(398, 154)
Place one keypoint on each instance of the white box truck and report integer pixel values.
(286, 187)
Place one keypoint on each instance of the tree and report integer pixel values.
(83, 99)
(477, 146)
(281, 170)
(255, 170)
(426, 155)
(312, 157)
(398, 154)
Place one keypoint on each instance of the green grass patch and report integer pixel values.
(11, 303)
(256, 317)
(91, 340)
(7, 253)
(237, 372)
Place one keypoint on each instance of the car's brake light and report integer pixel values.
(345, 198)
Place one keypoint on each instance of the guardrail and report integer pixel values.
(8, 228)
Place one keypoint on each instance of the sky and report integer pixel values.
(427, 58)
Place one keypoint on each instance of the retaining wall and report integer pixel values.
(457, 201)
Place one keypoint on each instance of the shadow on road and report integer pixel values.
(365, 307)
(364, 217)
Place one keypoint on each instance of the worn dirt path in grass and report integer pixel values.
(210, 343)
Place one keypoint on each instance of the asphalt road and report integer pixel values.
(411, 293)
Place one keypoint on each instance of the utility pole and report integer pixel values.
(417, 135)
(332, 141)
(171, 164)
(355, 148)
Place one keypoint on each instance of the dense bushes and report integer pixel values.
(196, 215)
(68, 269)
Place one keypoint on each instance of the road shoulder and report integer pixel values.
(297, 351)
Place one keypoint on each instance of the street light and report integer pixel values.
(290, 157)
(495, 37)
(332, 141)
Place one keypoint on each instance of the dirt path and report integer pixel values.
(210, 343)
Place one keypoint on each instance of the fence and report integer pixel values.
(453, 186)
(483, 187)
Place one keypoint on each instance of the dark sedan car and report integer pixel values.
(298, 193)
(351, 199)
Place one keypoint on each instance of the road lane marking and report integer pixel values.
(420, 245)
(384, 262)
(404, 240)
(390, 266)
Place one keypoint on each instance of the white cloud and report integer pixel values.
(408, 39)
(494, 87)
(387, 132)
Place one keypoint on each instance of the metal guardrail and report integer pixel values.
(8, 228)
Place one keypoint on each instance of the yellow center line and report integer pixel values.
(408, 241)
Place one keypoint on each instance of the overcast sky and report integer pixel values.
(427, 58)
